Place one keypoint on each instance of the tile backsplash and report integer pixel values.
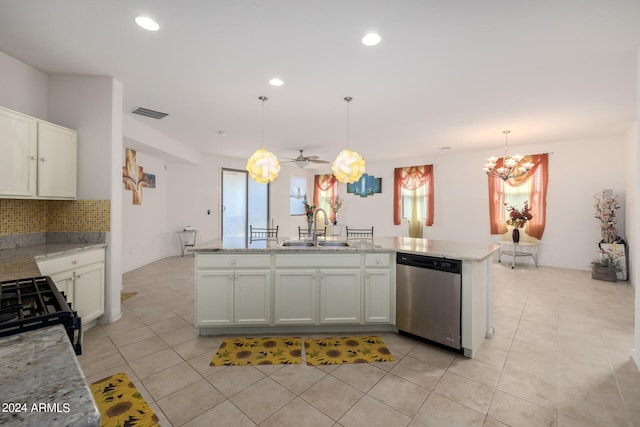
(45, 216)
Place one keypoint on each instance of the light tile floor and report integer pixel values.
(559, 356)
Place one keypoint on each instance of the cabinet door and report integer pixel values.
(57, 161)
(64, 283)
(214, 297)
(340, 296)
(377, 296)
(252, 292)
(296, 298)
(18, 148)
(88, 292)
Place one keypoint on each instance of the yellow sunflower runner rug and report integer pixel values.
(356, 349)
(120, 403)
(258, 351)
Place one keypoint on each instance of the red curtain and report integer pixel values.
(329, 184)
(539, 176)
(411, 178)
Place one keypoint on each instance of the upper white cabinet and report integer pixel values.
(39, 159)
(19, 148)
(57, 161)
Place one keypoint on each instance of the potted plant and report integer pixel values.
(608, 266)
(605, 206)
(518, 219)
(336, 204)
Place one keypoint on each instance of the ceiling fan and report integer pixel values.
(302, 161)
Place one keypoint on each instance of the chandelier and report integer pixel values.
(263, 166)
(349, 165)
(511, 166)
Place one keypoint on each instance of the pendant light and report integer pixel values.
(263, 166)
(349, 165)
(511, 167)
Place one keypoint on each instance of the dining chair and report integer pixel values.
(258, 234)
(359, 233)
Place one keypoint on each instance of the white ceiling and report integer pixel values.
(447, 73)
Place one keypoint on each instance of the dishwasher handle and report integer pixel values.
(431, 263)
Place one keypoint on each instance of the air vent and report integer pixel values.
(149, 113)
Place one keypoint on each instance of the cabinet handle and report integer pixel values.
(44, 159)
(75, 262)
(368, 275)
(34, 158)
(78, 276)
(233, 261)
(378, 260)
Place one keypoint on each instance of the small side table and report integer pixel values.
(520, 249)
(187, 239)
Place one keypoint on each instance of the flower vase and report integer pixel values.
(515, 235)
(335, 218)
(309, 226)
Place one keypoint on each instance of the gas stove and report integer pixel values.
(28, 304)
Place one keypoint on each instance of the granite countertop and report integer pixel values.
(436, 248)
(55, 385)
(21, 262)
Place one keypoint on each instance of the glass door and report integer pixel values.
(244, 202)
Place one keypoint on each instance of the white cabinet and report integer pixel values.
(340, 296)
(379, 292)
(296, 297)
(39, 159)
(80, 276)
(214, 297)
(320, 289)
(57, 161)
(377, 296)
(19, 148)
(231, 291)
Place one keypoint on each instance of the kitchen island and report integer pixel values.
(42, 383)
(268, 287)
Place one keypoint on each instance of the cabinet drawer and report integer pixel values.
(318, 260)
(70, 262)
(232, 261)
(377, 260)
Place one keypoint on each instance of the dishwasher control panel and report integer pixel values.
(421, 261)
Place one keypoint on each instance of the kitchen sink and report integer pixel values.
(298, 244)
(334, 244)
(314, 244)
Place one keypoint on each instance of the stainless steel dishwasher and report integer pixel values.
(428, 298)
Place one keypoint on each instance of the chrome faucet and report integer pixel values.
(315, 221)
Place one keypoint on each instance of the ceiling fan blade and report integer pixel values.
(319, 161)
(311, 157)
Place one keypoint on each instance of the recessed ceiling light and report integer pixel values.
(147, 23)
(371, 39)
(276, 82)
(444, 148)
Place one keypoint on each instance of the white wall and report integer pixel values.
(634, 183)
(93, 106)
(144, 230)
(24, 88)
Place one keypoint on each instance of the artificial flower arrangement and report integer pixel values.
(610, 258)
(336, 204)
(309, 210)
(518, 218)
(606, 205)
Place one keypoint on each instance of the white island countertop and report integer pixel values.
(464, 251)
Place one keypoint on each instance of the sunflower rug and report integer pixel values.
(356, 349)
(258, 351)
(120, 403)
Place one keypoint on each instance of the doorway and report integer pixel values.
(244, 202)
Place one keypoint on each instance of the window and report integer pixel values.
(530, 187)
(325, 189)
(413, 195)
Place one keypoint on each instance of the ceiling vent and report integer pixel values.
(149, 113)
